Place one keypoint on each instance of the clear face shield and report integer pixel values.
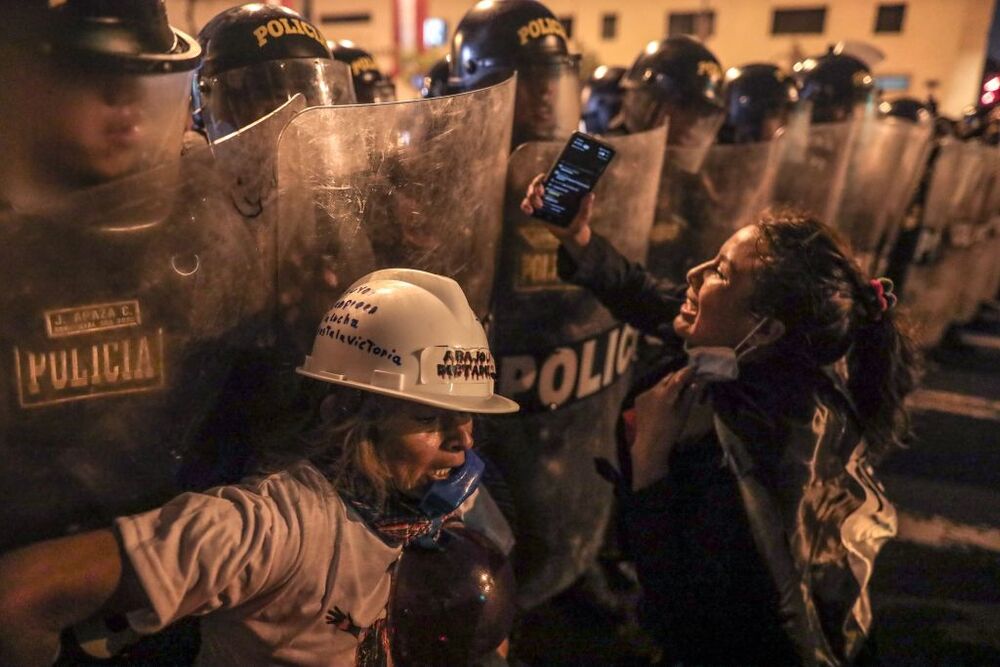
(236, 98)
(76, 127)
(691, 129)
(547, 105)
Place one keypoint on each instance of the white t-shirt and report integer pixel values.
(288, 572)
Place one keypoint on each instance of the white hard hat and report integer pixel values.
(408, 334)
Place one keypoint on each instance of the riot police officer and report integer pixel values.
(257, 57)
(758, 100)
(676, 78)
(90, 93)
(602, 98)
(681, 80)
(370, 83)
(495, 39)
(836, 85)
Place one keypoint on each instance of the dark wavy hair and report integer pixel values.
(808, 279)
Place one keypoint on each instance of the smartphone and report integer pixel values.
(572, 176)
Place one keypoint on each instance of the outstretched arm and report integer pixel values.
(51, 585)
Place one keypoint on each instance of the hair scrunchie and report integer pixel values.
(882, 288)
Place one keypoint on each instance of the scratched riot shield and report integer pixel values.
(123, 307)
(697, 212)
(808, 177)
(980, 239)
(884, 162)
(955, 198)
(739, 179)
(990, 288)
(565, 359)
(246, 161)
(415, 184)
(683, 204)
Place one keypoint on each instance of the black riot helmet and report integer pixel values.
(907, 108)
(680, 79)
(257, 57)
(452, 602)
(601, 98)
(435, 81)
(370, 84)
(758, 101)
(835, 85)
(123, 36)
(93, 90)
(498, 37)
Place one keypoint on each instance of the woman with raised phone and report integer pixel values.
(746, 492)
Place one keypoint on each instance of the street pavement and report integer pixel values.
(936, 588)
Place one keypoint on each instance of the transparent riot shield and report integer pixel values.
(808, 176)
(247, 164)
(884, 163)
(683, 204)
(414, 184)
(980, 239)
(565, 360)
(990, 288)
(955, 199)
(697, 212)
(739, 180)
(122, 311)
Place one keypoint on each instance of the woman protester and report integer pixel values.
(747, 496)
(294, 566)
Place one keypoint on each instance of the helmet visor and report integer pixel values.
(80, 127)
(236, 98)
(547, 105)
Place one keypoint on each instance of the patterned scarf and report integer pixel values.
(398, 522)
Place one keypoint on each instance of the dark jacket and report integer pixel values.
(758, 545)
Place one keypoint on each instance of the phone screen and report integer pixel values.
(574, 174)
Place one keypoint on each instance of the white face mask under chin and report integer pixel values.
(718, 363)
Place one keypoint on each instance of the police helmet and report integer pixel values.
(601, 98)
(257, 57)
(835, 85)
(370, 84)
(452, 602)
(435, 82)
(497, 37)
(121, 36)
(758, 98)
(678, 69)
(680, 79)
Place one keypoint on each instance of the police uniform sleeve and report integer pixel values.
(206, 551)
(627, 289)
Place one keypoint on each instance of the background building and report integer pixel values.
(929, 45)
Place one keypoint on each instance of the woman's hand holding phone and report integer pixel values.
(578, 231)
